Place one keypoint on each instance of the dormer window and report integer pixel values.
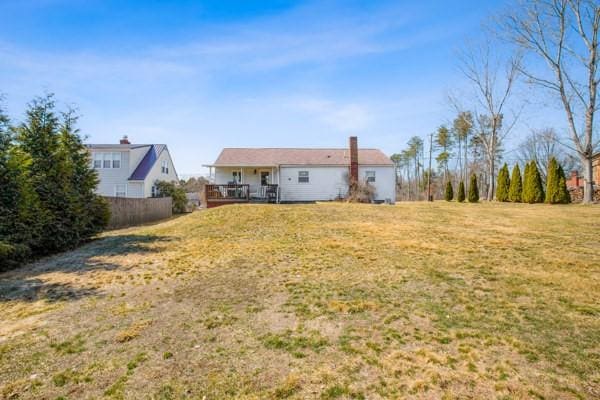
(103, 160)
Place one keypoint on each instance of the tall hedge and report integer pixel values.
(473, 189)
(556, 187)
(449, 194)
(533, 190)
(515, 191)
(503, 188)
(49, 204)
(461, 192)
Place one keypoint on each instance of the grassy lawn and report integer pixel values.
(325, 301)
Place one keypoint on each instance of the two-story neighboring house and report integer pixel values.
(131, 170)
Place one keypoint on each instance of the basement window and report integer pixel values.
(370, 176)
(303, 177)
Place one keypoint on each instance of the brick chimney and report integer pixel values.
(574, 181)
(353, 159)
(124, 140)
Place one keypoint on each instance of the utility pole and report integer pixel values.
(429, 174)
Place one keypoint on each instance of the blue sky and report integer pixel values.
(203, 75)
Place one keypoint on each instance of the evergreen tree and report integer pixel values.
(461, 192)
(552, 179)
(82, 180)
(516, 186)
(449, 194)
(563, 194)
(533, 191)
(556, 187)
(502, 192)
(13, 241)
(473, 190)
(526, 196)
(38, 140)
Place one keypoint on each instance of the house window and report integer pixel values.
(154, 191)
(164, 167)
(120, 190)
(97, 160)
(303, 177)
(107, 160)
(370, 176)
(237, 177)
(116, 160)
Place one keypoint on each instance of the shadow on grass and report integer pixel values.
(25, 283)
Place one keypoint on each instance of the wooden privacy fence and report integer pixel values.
(129, 212)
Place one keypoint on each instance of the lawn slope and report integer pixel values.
(320, 301)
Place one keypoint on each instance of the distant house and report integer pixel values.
(576, 180)
(131, 170)
(299, 174)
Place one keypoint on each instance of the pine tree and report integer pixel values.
(533, 191)
(502, 192)
(13, 238)
(516, 186)
(37, 139)
(449, 195)
(83, 202)
(473, 189)
(461, 192)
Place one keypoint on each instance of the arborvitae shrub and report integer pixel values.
(533, 190)
(473, 190)
(461, 192)
(526, 194)
(552, 182)
(516, 185)
(449, 195)
(503, 184)
(563, 194)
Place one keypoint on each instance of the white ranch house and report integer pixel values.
(297, 174)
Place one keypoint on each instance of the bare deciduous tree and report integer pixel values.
(564, 35)
(541, 146)
(493, 80)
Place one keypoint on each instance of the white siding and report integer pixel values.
(155, 173)
(325, 183)
(385, 181)
(135, 189)
(109, 177)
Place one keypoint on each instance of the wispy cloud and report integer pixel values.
(344, 117)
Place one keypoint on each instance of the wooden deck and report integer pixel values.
(219, 195)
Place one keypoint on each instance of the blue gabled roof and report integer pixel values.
(144, 167)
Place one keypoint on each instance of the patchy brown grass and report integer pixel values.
(325, 301)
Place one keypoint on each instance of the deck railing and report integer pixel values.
(233, 192)
(215, 195)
